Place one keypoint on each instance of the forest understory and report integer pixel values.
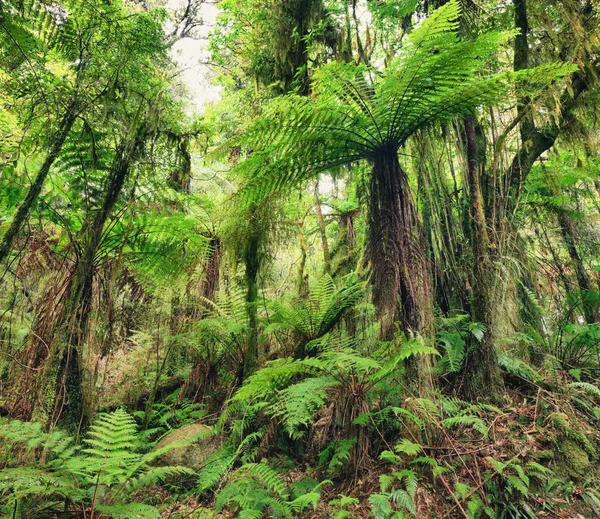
(299, 258)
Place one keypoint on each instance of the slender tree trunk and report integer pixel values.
(252, 263)
(397, 250)
(347, 235)
(568, 232)
(61, 389)
(24, 209)
(302, 276)
(322, 228)
(181, 176)
(482, 372)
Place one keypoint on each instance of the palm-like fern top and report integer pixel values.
(435, 77)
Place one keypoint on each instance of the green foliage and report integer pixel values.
(256, 488)
(396, 499)
(433, 78)
(102, 475)
(323, 309)
(576, 345)
(452, 338)
(519, 368)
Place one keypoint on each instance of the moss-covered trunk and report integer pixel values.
(62, 397)
(26, 205)
(481, 369)
(252, 264)
(586, 287)
(400, 274)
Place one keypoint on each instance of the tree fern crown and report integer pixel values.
(435, 76)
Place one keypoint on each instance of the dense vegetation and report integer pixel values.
(365, 283)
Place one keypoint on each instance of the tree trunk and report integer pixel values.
(400, 274)
(401, 281)
(481, 369)
(568, 232)
(202, 376)
(252, 263)
(25, 207)
(61, 397)
(347, 235)
(322, 228)
(302, 276)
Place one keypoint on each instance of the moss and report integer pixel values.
(190, 446)
(562, 425)
(576, 462)
(544, 455)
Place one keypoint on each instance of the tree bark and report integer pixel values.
(322, 228)
(61, 397)
(252, 264)
(481, 369)
(25, 207)
(568, 232)
(400, 274)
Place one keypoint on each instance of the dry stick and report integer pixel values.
(470, 493)
(451, 440)
(453, 496)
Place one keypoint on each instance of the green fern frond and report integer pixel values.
(269, 477)
(465, 421)
(518, 367)
(586, 387)
(434, 77)
(298, 403)
(215, 467)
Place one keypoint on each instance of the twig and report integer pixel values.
(453, 496)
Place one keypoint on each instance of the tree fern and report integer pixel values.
(321, 311)
(434, 77)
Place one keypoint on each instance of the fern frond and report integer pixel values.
(464, 421)
(269, 477)
(586, 387)
(297, 404)
(129, 510)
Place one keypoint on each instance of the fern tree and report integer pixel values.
(135, 122)
(435, 77)
(318, 314)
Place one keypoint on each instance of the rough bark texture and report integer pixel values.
(401, 283)
(61, 398)
(401, 279)
(482, 373)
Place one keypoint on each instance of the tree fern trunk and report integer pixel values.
(401, 279)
